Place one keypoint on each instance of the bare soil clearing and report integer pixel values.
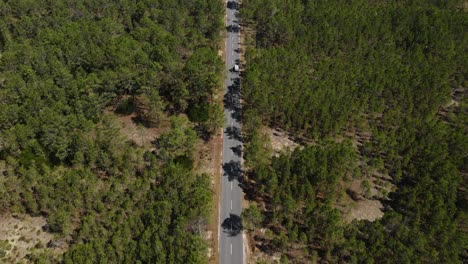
(369, 210)
(139, 134)
(23, 235)
(280, 141)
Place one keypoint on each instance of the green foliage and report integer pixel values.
(199, 113)
(178, 141)
(155, 109)
(59, 222)
(216, 118)
(258, 149)
(60, 71)
(319, 67)
(291, 185)
(203, 70)
(126, 106)
(62, 65)
(387, 69)
(252, 217)
(209, 118)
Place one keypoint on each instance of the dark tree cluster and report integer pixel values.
(62, 65)
(299, 190)
(321, 69)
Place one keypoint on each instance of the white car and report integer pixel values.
(236, 67)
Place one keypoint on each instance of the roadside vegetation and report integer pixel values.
(390, 78)
(65, 66)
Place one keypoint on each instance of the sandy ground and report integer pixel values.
(210, 163)
(24, 235)
(280, 141)
(140, 135)
(370, 210)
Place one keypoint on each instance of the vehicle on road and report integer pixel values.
(236, 67)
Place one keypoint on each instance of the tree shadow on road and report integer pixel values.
(232, 100)
(233, 5)
(233, 28)
(232, 170)
(234, 133)
(232, 225)
(237, 150)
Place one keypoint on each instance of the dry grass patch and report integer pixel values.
(138, 133)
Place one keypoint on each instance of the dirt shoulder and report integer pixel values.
(215, 148)
(211, 166)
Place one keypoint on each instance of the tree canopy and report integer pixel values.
(386, 74)
(63, 65)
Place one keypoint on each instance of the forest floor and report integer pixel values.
(356, 205)
(140, 135)
(23, 235)
(280, 141)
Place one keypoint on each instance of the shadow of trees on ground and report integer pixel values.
(232, 100)
(232, 170)
(234, 133)
(233, 5)
(237, 150)
(232, 225)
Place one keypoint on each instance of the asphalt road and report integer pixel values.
(230, 240)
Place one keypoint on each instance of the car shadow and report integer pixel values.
(233, 29)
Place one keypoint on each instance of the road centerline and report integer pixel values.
(231, 238)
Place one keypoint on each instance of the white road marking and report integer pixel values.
(219, 221)
(231, 248)
(231, 204)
